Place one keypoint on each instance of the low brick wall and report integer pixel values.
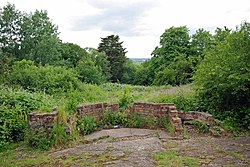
(188, 117)
(150, 109)
(95, 109)
(177, 118)
(36, 120)
(159, 110)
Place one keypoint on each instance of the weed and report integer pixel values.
(110, 118)
(126, 99)
(170, 158)
(58, 135)
(86, 125)
(202, 127)
(135, 120)
(38, 139)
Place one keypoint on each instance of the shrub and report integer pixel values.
(223, 76)
(58, 135)
(126, 99)
(38, 139)
(86, 125)
(135, 120)
(15, 104)
(202, 127)
(50, 79)
(112, 119)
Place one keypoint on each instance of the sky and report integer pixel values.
(139, 23)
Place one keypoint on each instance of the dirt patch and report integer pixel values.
(134, 147)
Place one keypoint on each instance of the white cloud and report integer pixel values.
(138, 22)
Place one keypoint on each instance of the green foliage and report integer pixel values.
(89, 72)
(58, 136)
(15, 104)
(101, 61)
(50, 79)
(164, 122)
(86, 125)
(44, 140)
(5, 67)
(171, 61)
(38, 140)
(135, 120)
(126, 99)
(10, 27)
(46, 51)
(201, 41)
(32, 36)
(171, 158)
(72, 54)
(202, 127)
(111, 46)
(111, 119)
(145, 73)
(129, 74)
(223, 76)
(184, 100)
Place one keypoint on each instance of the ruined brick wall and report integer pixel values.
(96, 109)
(188, 117)
(177, 118)
(44, 120)
(159, 110)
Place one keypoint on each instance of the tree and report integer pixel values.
(111, 46)
(101, 61)
(173, 41)
(10, 27)
(46, 51)
(89, 72)
(72, 54)
(129, 75)
(223, 77)
(201, 41)
(36, 30)
(23, 35)
(174, 50)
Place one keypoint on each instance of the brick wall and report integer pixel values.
(37, 120)
(188, 117)
(95, 109)
(177, 118)
(159, 110)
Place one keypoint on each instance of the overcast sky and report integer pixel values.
(139, 23)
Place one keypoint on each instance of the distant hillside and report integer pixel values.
(139, 60)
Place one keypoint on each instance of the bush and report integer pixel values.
(39, 140)
(112, 119)
(202, 127)
(50, 79)
(135, 120)
(223, 76)
(15, 104)
(89, 72)
(58, 135)
(86, 125)
(126, 99)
